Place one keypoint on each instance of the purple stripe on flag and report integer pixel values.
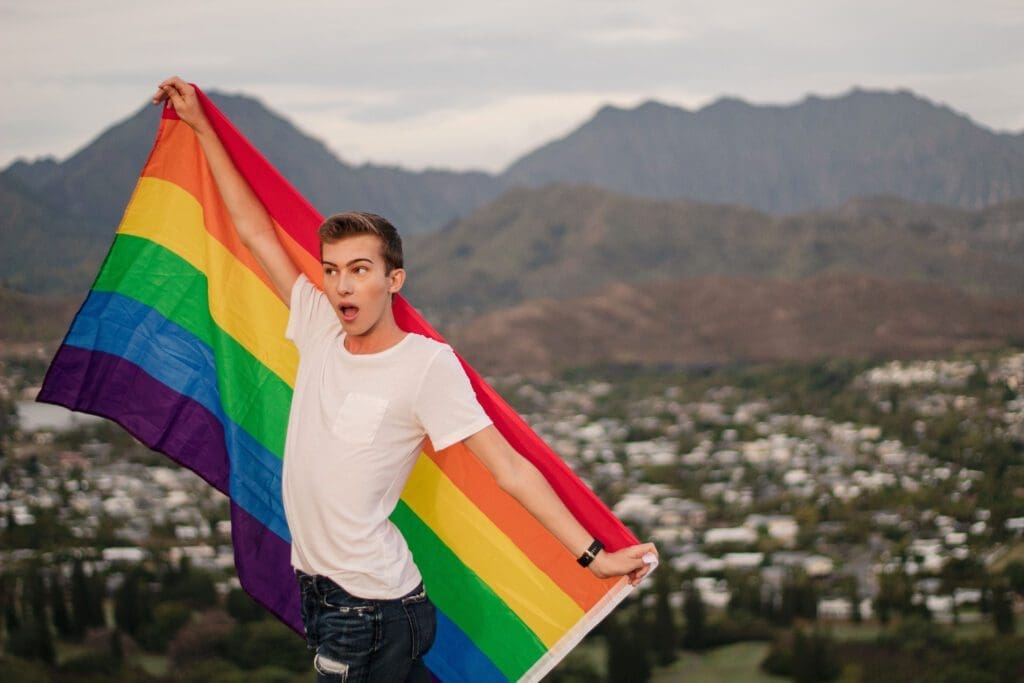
(112, 387)
(264, 564)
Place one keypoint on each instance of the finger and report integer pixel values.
(173, 87)
(160, 95)
(174, 82)
(647, 548)
(635, 577)
(177, 100)
(167, 95)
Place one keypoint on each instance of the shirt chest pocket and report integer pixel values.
(359, 418)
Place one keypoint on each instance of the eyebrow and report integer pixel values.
(355, 260)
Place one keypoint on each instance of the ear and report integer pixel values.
(397, 280)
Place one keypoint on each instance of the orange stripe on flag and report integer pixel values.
(467, 472)
(189, 171)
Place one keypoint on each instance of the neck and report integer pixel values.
(380, 337)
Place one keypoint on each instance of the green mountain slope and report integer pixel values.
(563, 241)
(722, 319)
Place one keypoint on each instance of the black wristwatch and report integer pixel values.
(590, 553)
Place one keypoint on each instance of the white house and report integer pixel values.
(739, 535)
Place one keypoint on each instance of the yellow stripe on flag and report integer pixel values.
(240, 302)
(489, 553)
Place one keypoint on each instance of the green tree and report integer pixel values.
(894, 595)
(814, 657)
(11, 619)
(853, 592)
(746, 599)
(799, 599)
(30, 637)
(695, 615)
(617, 651)
(626, 654)
(32, 640)
(132, 603)
(168, 619)
(62, 621)
(86, 604)
(1014, 573)
(116, 645)
(36, 594)
(189, 585)
(266, 643)
(242, 607)
(806, 657)
(639, 636)
(664, 636)
(1002, 608)
(202, 638)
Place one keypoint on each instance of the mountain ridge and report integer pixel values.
(567, 240)
(416, 200)
(716, 319)
(816, 153)
(45, 200)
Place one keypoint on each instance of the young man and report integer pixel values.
(366, 395)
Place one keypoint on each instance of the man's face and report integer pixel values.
(357, 284)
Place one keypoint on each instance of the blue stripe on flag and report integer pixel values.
(455, 658)
(176, 358)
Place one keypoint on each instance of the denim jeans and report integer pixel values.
(363, 641)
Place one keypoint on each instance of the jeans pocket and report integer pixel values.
(422, 624)
(348, 638)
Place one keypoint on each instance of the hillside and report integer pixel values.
(716, 319)
(817, 153)
(46, 250)
(94, 184)
(564, 241)
(34, 319)
(569, 239)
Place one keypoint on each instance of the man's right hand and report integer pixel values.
(183, 98)
(251, 220)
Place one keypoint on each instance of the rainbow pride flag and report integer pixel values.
(181, 341)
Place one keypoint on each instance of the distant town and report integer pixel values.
(885, 490)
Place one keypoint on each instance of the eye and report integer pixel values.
(361, 270)
(329, 271)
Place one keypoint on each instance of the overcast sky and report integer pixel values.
(476, 84)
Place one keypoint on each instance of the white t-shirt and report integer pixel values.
(356, 427)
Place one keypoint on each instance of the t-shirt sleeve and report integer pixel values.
(309, 312)
(446, 404)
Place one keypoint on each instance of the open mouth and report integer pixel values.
(348, 313)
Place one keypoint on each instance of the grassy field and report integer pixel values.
(733, 664)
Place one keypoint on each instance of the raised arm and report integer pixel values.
(253, 223)
(520, 479)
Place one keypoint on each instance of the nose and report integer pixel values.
(344, 284)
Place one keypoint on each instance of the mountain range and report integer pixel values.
(90, 189)
(563, 241)
(869, 192)
(818, 153)
(716, 319)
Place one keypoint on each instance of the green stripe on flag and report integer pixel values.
(469, 602)
(255, 398)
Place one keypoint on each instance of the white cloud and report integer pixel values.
(486, 137)
(476, 84)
